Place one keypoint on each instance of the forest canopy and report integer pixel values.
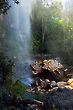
(52, 30)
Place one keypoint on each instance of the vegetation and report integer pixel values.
(15, 88)
(6, 65)
(5, 6)
(52, 30)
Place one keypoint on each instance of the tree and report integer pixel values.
(5, 6)
(52, 30)
(45, 21)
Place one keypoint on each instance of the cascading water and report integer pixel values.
(19, 16)
(23, 31)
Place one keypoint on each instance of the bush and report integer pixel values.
(6, 66)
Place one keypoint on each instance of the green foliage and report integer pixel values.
(38, 96)
(6, 65)
(5, 6)
(36, 45)
(45, 24)
(15, 88)
(52, 30)
(55, 109)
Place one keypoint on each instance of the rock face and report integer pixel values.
(49, 75)
(61, 98)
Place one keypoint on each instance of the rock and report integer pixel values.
(62, 99)
(32, 107)
(70, 81)
(61, 84)
(32, 104)
(40, 86)
(69, 70)
(53, 84)
(7, 98)
(48, 68)
(47, 80)
(68, 87)
(71, 85)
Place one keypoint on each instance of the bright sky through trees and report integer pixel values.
(65, 3)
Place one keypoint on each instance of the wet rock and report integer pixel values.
(40, 86)
(70, 81)
(71, 85)
(53, 84)
(68, 86)
(61, 84)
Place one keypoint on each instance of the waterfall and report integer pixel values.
(23, 29)
(19, 16)
(19, 21)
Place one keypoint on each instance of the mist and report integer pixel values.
(23, 29)
(19, 33)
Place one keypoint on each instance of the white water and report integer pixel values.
(20, 15)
